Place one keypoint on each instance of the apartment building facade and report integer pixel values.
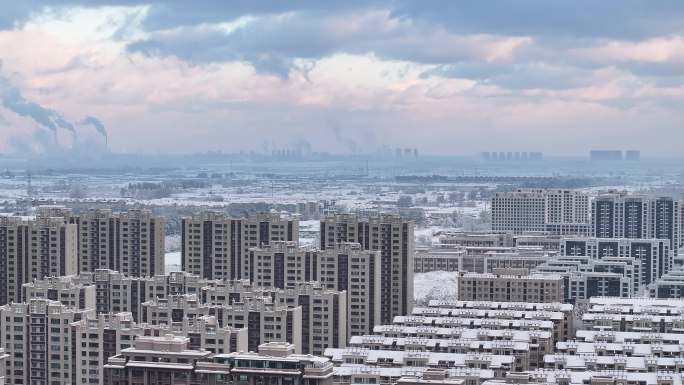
(507, 287)
(348, 267)
(654, 255)
(541, 210)
(214, 246)
(33, 249)
(37, 336)
(131, 241)
(394, 239)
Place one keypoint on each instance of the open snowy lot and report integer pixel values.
(441, 285)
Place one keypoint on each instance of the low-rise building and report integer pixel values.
(275, 363)
(670, 285)
(155, 360)
(441, 327)
(479, 259)
(468, 239)
(348, 374)
(510, 288)
(499, 364)
(526, 356)
(563, 322)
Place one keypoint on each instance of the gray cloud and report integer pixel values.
(621, 19)
(420, 31)
(427, 32)
(517, 76)
(631, 19)
(176, 13)
(165, 14)
(272, 43)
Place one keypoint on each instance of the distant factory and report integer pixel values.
(615, 155)
(512, 156)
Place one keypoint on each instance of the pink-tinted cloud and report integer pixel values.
(375, 77)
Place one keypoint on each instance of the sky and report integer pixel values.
(446, 77)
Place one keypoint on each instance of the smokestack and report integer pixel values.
(49, 119)
(96, 124)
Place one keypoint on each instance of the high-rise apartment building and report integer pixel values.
(32, 249)
(178, 298)
(664, 221)
(394, 239)
(324, 315)
(350, 268)
(37, 336)
(116, 292)
(217, 247)
(97, 339)
(620, 215)
(541, 210)
(131, 242)
(567, 206)
(279, 264)
(519, 211)
(51, 343)
(211, 245)
(653, 255)
(587, 277)
(3, 366)
(265, 321)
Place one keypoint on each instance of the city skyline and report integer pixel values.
(342, 77)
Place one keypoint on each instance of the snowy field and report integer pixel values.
(172, 258)
(440, 285)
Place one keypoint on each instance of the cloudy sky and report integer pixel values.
(448, 77)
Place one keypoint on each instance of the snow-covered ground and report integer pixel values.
(308, 233)
(172, 258)
(425, 236)
(441, 285)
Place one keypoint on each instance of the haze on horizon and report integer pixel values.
(450, 78)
